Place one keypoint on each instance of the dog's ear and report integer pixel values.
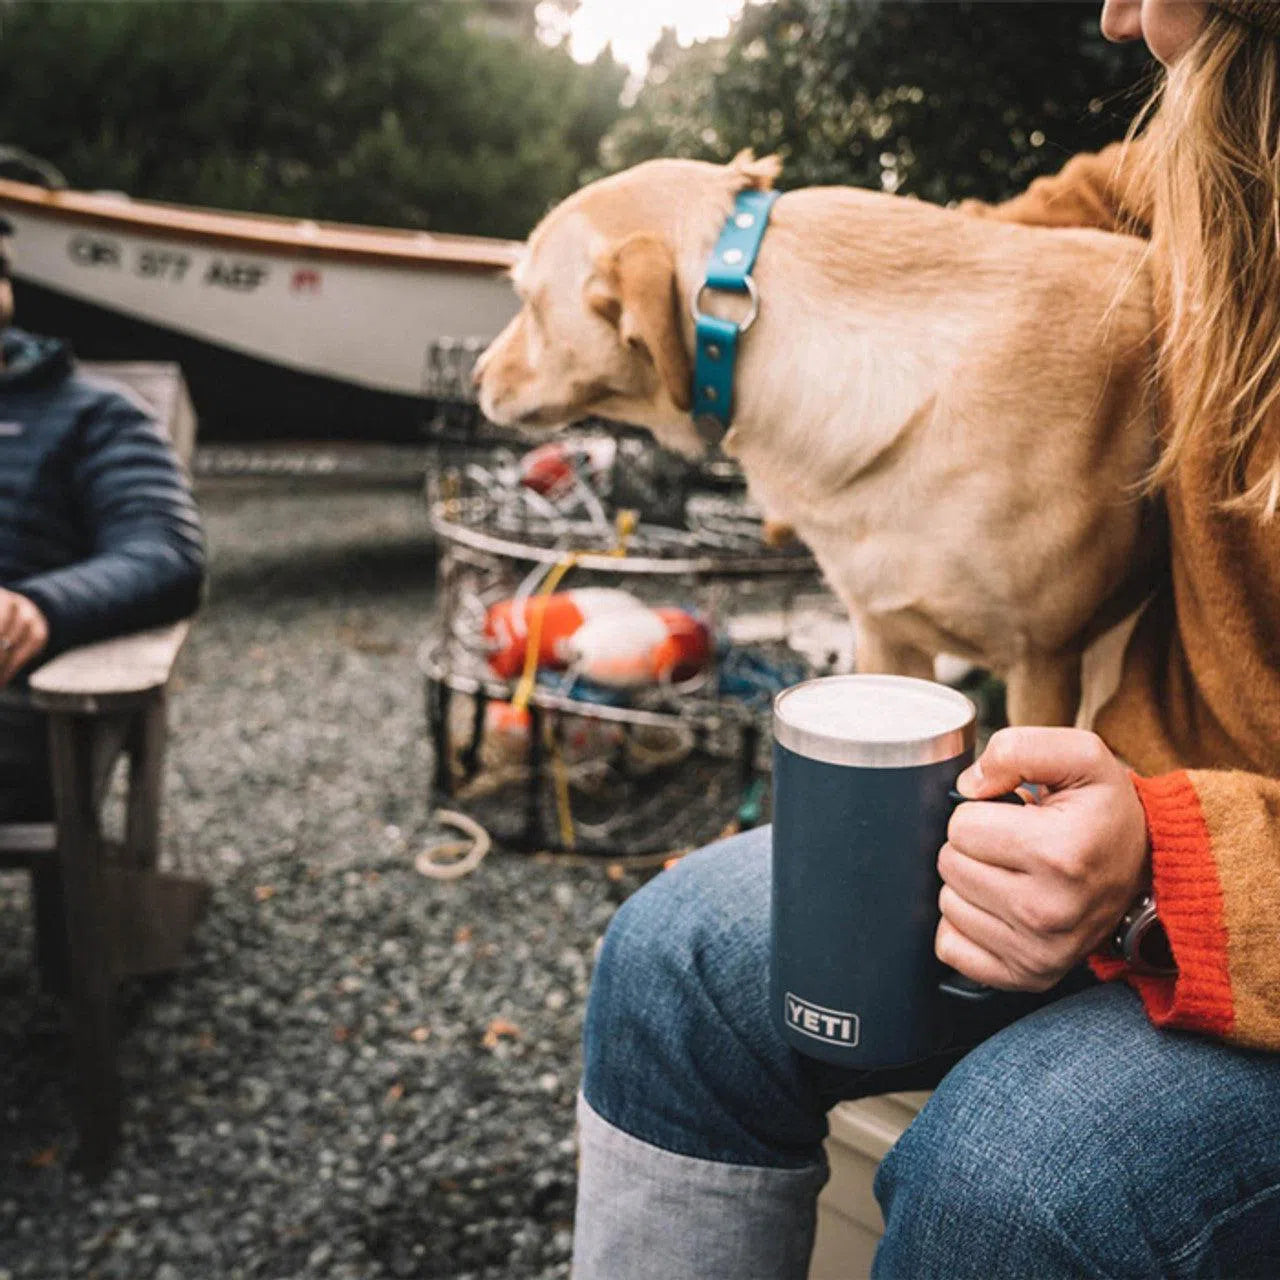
(755, 175)
(602, 297)
(638, 295)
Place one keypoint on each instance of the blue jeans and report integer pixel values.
(1073, 1140)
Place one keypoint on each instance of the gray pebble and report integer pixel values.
(263, 1080)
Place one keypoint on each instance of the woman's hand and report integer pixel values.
(1029, 892)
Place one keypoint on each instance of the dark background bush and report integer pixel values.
(942, 100)
(454, 115)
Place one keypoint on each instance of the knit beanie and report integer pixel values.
(1264, 14)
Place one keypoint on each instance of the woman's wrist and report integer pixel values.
(1141, 942)
(1139, 939)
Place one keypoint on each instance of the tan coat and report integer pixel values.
(1199, 700)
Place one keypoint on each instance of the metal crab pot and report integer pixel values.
(665, 768)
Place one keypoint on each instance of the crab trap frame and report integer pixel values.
(555, 760)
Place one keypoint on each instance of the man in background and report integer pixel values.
(99, 534)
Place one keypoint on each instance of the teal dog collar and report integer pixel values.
(716, 340)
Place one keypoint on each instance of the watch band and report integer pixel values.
(1141, 942)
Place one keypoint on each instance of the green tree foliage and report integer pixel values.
(939, 100)
(446, 115)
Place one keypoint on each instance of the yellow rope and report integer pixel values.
(533, 638)
(560, 779)
(626, 527)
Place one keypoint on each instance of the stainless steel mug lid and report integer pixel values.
(874, 722)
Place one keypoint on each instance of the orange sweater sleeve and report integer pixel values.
(1215, 834)
(1215, 840)
(1107, 190)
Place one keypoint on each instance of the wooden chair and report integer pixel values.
(105, 910)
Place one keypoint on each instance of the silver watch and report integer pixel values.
(1140, 940)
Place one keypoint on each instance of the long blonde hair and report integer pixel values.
(1215, 139)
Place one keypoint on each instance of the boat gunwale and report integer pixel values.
(267, 233)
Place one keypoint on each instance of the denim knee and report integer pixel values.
(973, 1190)
(1081, 1141)
(679, 1047)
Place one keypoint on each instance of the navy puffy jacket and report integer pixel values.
(97, 523)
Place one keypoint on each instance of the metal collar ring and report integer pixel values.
(753, 313)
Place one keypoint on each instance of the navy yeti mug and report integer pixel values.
(864, 768)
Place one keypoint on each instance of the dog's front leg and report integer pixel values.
(877, 655)
(1044, 689)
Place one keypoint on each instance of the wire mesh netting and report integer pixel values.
(580, 759)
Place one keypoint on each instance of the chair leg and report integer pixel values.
(146, 784)
(91, 982)
(50, 911)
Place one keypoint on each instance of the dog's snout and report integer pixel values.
(477, 369)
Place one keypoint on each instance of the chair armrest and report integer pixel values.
(111, 675)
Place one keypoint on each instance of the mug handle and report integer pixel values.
(956, 984)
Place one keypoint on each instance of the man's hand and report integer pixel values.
(1029, 892)
(23, 633)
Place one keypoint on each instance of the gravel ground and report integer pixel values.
(362, 1073)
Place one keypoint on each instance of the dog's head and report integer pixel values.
(601, 327)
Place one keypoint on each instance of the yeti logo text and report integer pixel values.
(829, 1025)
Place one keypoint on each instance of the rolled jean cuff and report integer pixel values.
(645, 1213)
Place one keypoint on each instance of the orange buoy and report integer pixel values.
(628, 650)
(509, 623)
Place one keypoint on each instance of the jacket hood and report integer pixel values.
(29, 359)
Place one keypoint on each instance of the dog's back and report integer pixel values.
(955, 413)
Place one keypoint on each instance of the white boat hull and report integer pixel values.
(369, 324)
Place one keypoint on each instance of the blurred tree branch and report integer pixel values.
(939, 100)
(415, 115)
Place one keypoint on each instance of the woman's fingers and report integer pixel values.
(1032, 913)
(961, 953)
(985, 948)
(1003, 835)
(1055, 757)
(979, 925)
(987, 884)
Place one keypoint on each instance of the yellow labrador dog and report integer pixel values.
(953, 413)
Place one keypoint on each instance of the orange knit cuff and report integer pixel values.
(1189, 899)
